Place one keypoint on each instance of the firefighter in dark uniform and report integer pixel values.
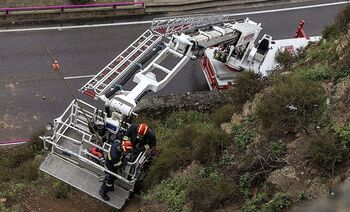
(141, 136)
(116, 159)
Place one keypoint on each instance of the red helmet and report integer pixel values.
(126, 146)
(142, 129)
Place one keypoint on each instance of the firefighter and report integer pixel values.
(117, 158)
(141, 136)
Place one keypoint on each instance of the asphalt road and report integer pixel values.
(32, 95)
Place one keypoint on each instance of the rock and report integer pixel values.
(317, 188)
(3, 200)
(283, 178)
(237, 118)
(44, 97)
(341, 101)
(314, 172)
(226, 127)
(347, 180)
(337, 180)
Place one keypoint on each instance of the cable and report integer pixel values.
(71, 92)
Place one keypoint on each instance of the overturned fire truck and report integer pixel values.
(225, 47)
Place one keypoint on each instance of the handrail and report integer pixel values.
(68, 6)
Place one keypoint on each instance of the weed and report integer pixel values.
(244, 184)
(279, 202)
(278, 148)
(255, 204)
(241, 136)
(226, 159)
(301, 196)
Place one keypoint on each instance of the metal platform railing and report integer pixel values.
(121, 65)
(72, 140)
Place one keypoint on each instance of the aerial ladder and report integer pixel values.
(153, 59)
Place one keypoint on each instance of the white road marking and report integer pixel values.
(148, 22)
(79, 77)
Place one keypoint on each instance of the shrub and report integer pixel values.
(247, 84)
(331, 32)
(207, 192)
(241, 136)
(226, 159)
(284, 58)
(301, 196)
(343, 19)
(204, 188)
(292, 104)
(316, 74)
(244, 184)
(279, 202)
(341, 73)
(325, 150)
(201, 142)
(324, 52)
(343, 135)
(278, 148)
(61, 190)
(173, 191)
(223, 114)
(255, 204)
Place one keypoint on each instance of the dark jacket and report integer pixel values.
(115, 157)
(148, 141)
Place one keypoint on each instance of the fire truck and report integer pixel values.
(225, 47)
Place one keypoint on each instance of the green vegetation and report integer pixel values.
(261, 203)
(247, 84)
(278, 148)
(181, 143)
(241, 136)
(223, 114)
(198, 189)
(293, 102)
(284, 58)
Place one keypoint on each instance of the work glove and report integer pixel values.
(126, 138)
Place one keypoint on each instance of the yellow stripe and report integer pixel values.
(109, 155)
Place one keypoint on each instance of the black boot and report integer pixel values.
(104, 195)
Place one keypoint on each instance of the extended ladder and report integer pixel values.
(121, 65)
(166, 26)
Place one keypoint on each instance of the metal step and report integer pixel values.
(82, 179)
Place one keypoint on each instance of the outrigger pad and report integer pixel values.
(82, 179)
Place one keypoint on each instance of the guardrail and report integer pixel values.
(63, 7)
(14, 142)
